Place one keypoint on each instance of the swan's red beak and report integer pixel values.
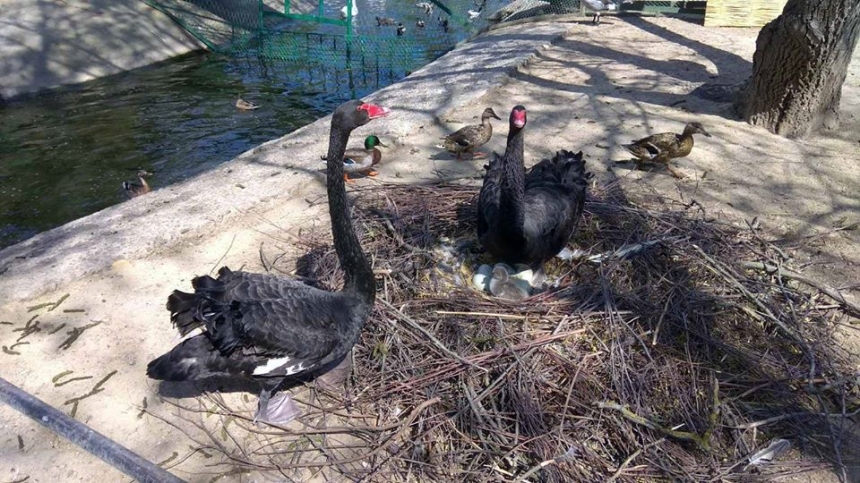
(374, 111)
(518, 118)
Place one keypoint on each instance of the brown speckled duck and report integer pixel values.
(662, 148)
(469, 138)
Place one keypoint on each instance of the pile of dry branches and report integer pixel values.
(678, 356)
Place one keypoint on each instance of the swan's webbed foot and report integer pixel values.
(280, 409)
(336, 376)
(373, 172)
(479, 154)
(347, 179)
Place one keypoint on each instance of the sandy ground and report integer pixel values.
(596, 88)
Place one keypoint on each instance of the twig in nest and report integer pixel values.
(703, 441)
(403, 317)
(484, 314)
(386, 221)
(781, 417)
(831, 292)
(719, 269)
(630, 458)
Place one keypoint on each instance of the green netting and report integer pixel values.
(381, 41)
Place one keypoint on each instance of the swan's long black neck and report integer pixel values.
(359, 274)
(513, 178)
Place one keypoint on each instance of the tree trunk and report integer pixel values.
(799, 66)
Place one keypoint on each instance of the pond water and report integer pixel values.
(65, 153)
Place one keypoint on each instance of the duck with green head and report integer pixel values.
(362, 161)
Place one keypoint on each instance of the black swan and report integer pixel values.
(268, 327)
(529, 218)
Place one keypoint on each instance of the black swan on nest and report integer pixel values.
(268, 327)
(529, 218)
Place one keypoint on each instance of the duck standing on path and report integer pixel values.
(529, 217)
(362, 160)
(268, 327)
(133, 189)
(664, 147)
(469, 138)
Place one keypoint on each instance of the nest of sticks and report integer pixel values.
(679, 354)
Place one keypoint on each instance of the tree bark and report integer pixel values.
(799, 66)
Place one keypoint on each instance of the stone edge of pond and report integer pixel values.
(168, 216)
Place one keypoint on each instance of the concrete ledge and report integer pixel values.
(46, 44)
(261, 178)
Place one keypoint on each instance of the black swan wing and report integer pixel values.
(254, 324)
(554, 201)
(488, 198)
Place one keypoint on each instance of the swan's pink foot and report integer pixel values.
(280, 409)
(373, 172)
(479, 154)
(334, 378)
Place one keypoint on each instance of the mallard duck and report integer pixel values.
(529, 217)
(469, 138)
(244, 105)
(270, 328)
(362, 160)
(598, 6)
(401, 29)
(662, 148)
(419, 24)
(385, 21)
(133, 189)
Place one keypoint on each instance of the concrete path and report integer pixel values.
(45, 43)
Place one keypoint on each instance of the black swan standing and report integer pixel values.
(529, 218)
(268, 327)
